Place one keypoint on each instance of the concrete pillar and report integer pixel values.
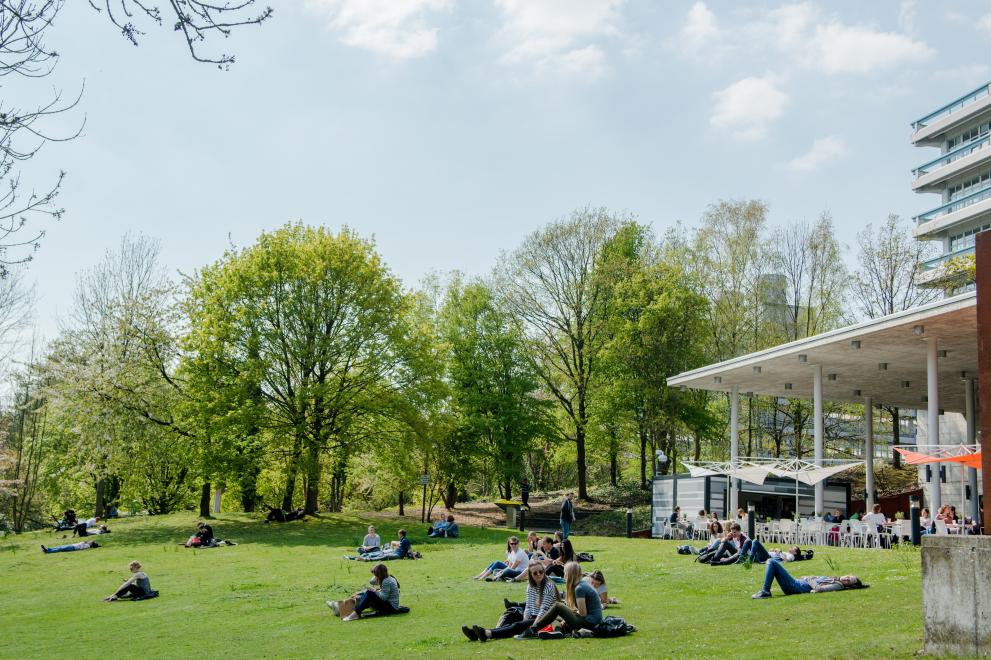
(818, 428)
(869, 449)
(734, 446)
(975, 503)
(932, 393)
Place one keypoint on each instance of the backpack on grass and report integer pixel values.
(612, 626)
(584, 556)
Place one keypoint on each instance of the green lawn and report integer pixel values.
(265, 597)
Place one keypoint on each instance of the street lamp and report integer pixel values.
(751, 521)
(913, 504)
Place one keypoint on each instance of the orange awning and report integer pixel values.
(918, 458)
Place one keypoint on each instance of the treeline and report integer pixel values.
(299, 371)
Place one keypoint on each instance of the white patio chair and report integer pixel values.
(872, 538)
(856, 536)
(787, 532)
(941, 527)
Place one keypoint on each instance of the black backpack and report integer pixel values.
(612, 626)
(511, 615)
(584, 557)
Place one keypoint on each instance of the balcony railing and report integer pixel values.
(951, 156)
(953, 106)
(955, 205)
(943, 258)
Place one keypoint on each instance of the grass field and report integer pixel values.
(265, 598)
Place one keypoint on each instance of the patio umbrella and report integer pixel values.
(807, 472)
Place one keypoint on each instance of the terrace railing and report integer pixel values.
(952, 156)
(953, 106)
(955, 205)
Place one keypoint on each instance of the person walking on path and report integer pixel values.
(525, 495)
(567, 514)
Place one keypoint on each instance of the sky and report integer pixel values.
(448, 130)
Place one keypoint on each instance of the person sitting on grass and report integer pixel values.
(398, 550)
(137, 586)
(72, 547)
(383, 597)
(805, 584)
(581, 607)
(730, 550)
(566, 553)
(516, 563)
(532, 544)
(82, 527)
(444, 529)
(203, 538)
(541, 594)
(371, 543)
(598, 582)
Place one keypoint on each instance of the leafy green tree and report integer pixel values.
(313, 326)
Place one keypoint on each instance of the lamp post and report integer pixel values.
(916, 524)
(751, 521)
(629, 520)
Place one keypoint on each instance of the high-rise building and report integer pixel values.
(961, 176)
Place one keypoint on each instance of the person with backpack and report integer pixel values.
(541, 595)
(567, 515)
(581, 607)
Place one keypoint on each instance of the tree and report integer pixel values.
(494, 385)
(889, 262)
(24, 124)
(315, 324)
(548, 284)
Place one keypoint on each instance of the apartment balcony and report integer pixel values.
(947, 271)
(930, 130)
(934, 223)
(930, 176)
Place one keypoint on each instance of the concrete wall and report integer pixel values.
(956, 594)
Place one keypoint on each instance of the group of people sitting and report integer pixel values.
(734, 547)
(553, 553)
(371, 548)
(445, 528)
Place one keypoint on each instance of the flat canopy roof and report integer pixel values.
(891, 340)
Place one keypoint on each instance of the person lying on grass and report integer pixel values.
(136, 586)
(598, 582)
(401, 550)
(383, 597)
(805, 584)
(541, 594)
(516, 563)
(755, 551)
(581, 607)
(82, 545)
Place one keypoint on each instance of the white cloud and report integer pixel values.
(836, 48)
(558, 36)
(396, 28)
(965, 74)
(984, 24)
(700, 38)
(907, 12)
(823, 151)
(749, 106)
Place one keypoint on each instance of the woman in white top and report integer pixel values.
(516, 563)
(371, 542)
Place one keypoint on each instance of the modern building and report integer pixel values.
(961, 176)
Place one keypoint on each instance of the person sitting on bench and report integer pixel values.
(383, 597)
(137, 586)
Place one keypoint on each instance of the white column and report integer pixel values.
(818, 431)
(932, 393)
(975, 504)
(734, 446)
(869, 449)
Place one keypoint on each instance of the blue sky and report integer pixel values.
(448, 130)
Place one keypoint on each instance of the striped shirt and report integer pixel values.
(389, 591)
(532, 611)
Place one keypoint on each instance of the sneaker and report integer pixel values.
(332, 604)
(529, 633)
(469, 633)
(44, 549)
(354, 616)
(480, 633)
(506, 603)
(761, 594)
(557, 634)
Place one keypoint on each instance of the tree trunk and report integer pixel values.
(205, 500)
(312, 479)
(450, 496)
(402, 503)
(99, 508)
(613, 467)
(292, 472)
(643, 459)
(508, 485)
(248, 483)
(698, 445)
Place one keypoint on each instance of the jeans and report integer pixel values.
(511, 629)
(510, 573)
(566, 527)
(560, 609)
(129, 590)
(371, 599)
(381, 556)
(496, 566)
(62, 548)
(755, 550)
(788, 584)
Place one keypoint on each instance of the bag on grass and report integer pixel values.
(584, 556)
(346, 606)
(612, 626)
(511, 615)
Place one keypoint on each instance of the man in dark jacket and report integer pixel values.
(567, 515)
